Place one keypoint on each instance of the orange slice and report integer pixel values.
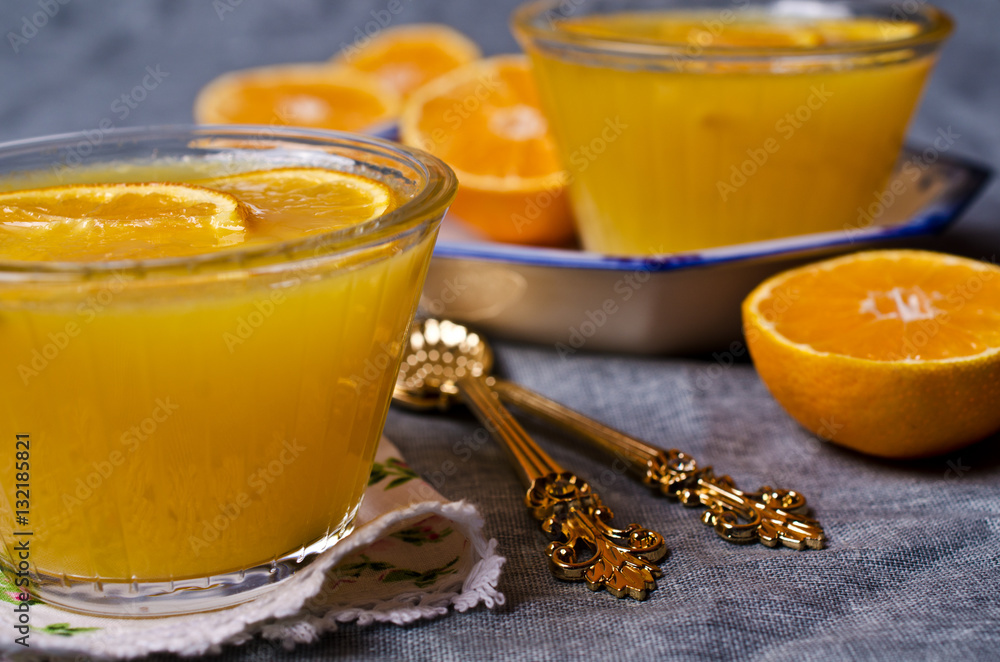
(406, 57)
(485, 121)
(295, 201)
(310, 95)
(894, 353)
(118, 221)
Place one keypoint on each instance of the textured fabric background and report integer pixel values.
(912, 571)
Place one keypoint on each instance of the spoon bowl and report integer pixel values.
(437, 355)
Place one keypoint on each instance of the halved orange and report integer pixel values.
(118, 221)
(310, 95)
(406, 57)
(893, 353)
(292, 202)
(484, 119)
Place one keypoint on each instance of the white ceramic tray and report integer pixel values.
(680, 303)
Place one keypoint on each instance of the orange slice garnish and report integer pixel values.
(291, 202)
(118, 221)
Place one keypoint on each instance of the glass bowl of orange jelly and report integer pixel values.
(686, 125)
(199, 420)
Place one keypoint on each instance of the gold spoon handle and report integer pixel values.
(769, 516)
(608, 439)
(531, 461)
(585, 546)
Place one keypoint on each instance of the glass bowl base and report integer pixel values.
(140, 599)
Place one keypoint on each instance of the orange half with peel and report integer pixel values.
(310, 95)
(406, 57)
(485, 120)
(893, 353)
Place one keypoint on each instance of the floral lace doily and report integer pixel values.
(411, 556)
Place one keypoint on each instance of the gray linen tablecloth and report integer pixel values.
(912, 571)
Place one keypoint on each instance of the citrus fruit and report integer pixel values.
(485, 121)
(406, 57)
(893, 353)
(297, 201)
(118, 221)
(311, 95)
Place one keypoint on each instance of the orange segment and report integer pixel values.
(295, 201)
(118, 221)
(485, 120)
(895, 353)
(311, 95)
(406, 57)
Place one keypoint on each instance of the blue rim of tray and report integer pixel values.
(933, 218)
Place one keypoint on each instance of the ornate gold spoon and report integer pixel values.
(444, 362)
(770, 516)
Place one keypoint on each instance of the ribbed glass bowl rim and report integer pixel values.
(440, 185)
(528, 24)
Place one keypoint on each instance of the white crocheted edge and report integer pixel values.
(479, 587)
(274, 614)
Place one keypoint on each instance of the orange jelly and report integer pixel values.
(196, 421)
